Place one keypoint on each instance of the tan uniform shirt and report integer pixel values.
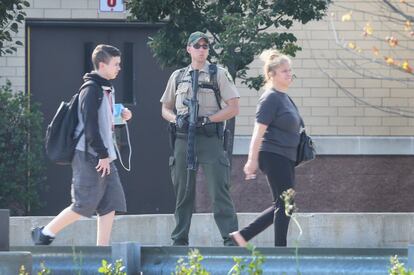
(206, 99)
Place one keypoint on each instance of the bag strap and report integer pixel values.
(302, 123)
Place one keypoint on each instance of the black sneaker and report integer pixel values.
(39, 238)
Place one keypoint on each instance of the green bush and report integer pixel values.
(193, 267)
(398, 268)
(22, 159)
(241, 266)
(244, 266)
(112, 269)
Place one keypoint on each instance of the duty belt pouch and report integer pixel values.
(220, 130)
(209, 130)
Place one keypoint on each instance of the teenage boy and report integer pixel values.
(96, 187)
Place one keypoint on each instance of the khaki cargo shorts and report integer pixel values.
(92, 193)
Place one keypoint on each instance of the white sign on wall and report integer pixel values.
(111, 5)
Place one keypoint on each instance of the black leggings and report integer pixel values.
(280, 174)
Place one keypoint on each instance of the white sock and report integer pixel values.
(47, 232)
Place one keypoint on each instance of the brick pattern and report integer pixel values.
(328, 184)
(326, 108)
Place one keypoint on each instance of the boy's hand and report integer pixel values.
(103, 166)
(126, 114)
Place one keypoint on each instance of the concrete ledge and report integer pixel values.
(4, 229)
(340, 230)
(347, 145)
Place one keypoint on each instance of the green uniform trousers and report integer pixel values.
(215, 163)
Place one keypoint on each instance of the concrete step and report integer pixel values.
(341, 230)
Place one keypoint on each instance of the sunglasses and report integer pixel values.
(198, 46)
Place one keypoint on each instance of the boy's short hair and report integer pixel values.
(104, 53)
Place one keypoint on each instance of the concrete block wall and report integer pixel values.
(327, 109)
(339, 230)
(12, 67)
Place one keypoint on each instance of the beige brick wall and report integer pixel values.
(12, 67)
(326, 108)
(329, 109)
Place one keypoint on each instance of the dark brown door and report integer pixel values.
(57, 58)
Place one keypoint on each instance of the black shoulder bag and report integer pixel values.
(306, 149)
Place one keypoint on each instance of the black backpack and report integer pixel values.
(60, 134)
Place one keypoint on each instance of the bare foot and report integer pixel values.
(238, 238)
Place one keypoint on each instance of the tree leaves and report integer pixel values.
(11, 15)
(239, 28)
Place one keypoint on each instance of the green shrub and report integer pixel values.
(398, 268)
(252, 267)
(21, 152)
(112, 269)
(193, 267)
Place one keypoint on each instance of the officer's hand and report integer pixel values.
(205, 120)
(181, 120)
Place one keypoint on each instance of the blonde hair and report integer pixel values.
(272, 59)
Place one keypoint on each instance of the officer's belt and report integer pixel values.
(210, 129)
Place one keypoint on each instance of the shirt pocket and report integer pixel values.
(180, 95)
(207, 100)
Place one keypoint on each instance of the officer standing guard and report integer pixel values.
(218, 101)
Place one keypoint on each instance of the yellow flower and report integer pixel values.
(406, 67)
(351, 45)
(389, 60)
(408, 25)
(368, 30)
(347, 17)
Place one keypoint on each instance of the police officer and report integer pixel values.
(210, 154)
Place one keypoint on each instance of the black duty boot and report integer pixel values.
(39, 238)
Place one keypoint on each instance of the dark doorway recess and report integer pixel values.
(58, 55)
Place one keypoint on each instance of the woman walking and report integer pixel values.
(273, 147)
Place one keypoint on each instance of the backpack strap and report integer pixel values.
(100, 98)
(213, 83)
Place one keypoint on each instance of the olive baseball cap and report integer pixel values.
(195, 37)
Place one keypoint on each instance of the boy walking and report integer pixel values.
(96, 186)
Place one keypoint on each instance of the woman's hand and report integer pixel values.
(250, 169)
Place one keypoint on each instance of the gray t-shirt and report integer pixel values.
(282, 135)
